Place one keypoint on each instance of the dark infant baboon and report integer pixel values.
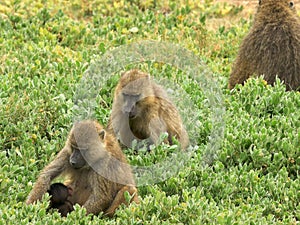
(59, 194)
(95, 167)
(142, 110)
(272, 47)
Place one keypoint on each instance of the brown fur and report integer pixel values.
(153, 112)
(272, 46)
(99, 182)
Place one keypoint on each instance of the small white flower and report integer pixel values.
(134, 30)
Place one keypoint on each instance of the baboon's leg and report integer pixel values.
(120, 199)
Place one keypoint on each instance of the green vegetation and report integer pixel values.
(45, 47)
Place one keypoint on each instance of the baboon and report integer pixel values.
(142, 110)
(95, 168)
(59, 194)
(272, 46)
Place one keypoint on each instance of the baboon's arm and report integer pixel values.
(55, 168)
(120, 199)
(156, 127)
(126, 135)
(119, 126)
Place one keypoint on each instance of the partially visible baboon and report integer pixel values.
(272, 46)
(95, 167)
(142, 110)
(59, 194)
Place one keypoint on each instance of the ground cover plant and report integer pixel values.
(45, 49)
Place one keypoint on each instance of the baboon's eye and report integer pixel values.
(259, 2)
(291, 4)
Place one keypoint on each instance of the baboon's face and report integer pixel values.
(77, 160)
(133, 93)
(87, 145)
(130, 101)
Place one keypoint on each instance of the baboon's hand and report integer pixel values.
(36, 195)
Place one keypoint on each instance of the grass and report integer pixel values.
(46, 47)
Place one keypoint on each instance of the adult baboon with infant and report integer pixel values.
(142, 110)
(272, 47)
(96, 169)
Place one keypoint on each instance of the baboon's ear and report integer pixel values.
(122, 74)
(102, 134)
(259, 2)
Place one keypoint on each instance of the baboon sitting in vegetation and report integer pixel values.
(96, 169)
(272, 48)
(142, 110)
